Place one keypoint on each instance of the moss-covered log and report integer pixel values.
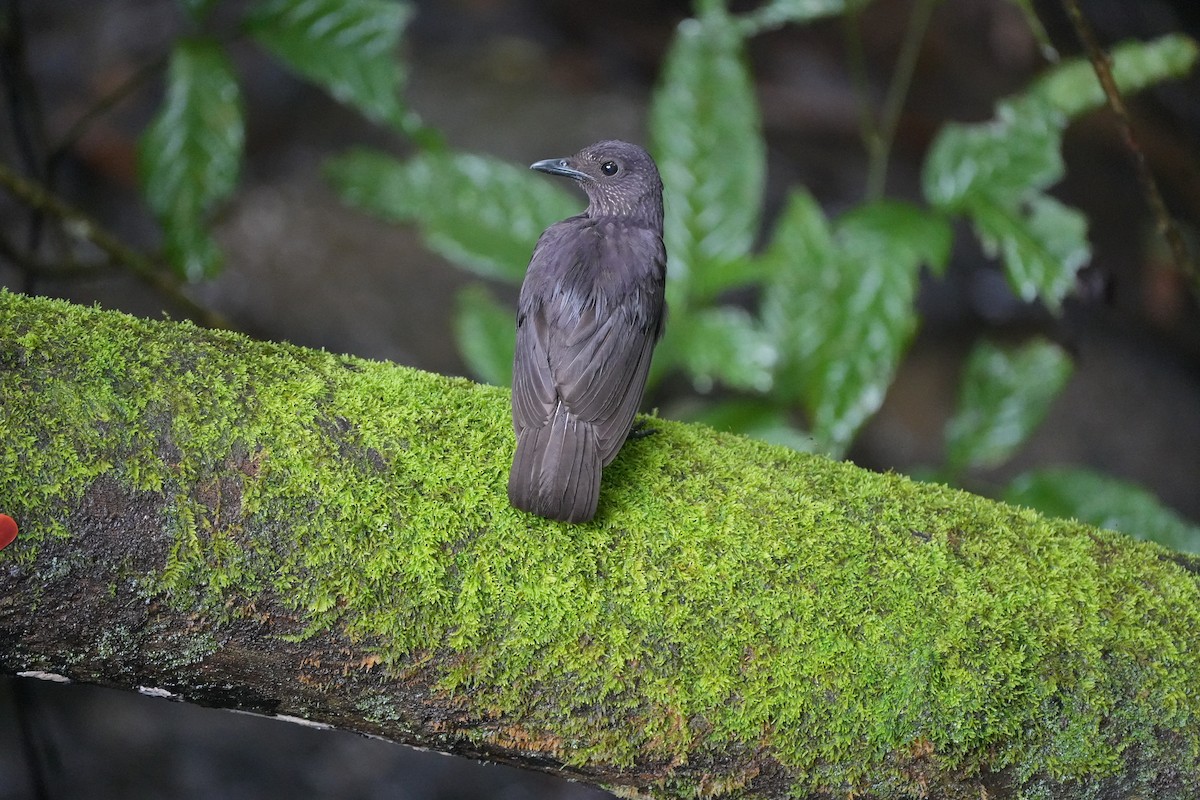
(265, 527)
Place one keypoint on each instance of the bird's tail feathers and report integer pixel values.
(556, 470)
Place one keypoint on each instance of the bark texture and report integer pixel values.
(263, 527)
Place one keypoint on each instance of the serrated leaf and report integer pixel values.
(479, 212)
(1043, 244)
(1106, 502)
(913, 235)
(486, 332)
(797, 259)
(1007, 159)
(995, 172)
(188, 157)
(725, 345)
(346, 46)
(705, 134)
(839, 307)
(1004, 395)
(1073, 88)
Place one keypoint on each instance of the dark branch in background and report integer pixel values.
(24, 113)
(81, 226)
(63, 147)
(1166, 223)
(42, 160)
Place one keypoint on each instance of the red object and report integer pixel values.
(8, 530)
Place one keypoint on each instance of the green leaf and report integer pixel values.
(724, 345)
(995, 173)
(1007, 159)
(486, 332)
(346, 46)
(1004, 395)
(705, 134)
(1073, 88)
(479, 212)
(1105, 502)
(839, 307)
(799, 263)
(913, 235)
(1043, 244)
(189, 156)
(758, 418)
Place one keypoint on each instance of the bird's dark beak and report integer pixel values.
(559, 166)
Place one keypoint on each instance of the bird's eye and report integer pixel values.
(609, 168)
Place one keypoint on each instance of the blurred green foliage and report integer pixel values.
(835, 309)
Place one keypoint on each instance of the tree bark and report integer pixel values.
(263, 527)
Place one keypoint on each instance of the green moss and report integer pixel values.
(728, 590)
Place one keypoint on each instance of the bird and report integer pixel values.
(591, 309)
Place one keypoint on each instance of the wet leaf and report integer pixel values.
(1004, 396)
(1073, 88)
(188, 157)
(346, 46)
(839, 307)
(781, 12)
(705, 135)
(725, 345)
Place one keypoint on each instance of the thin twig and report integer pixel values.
(1103, 68)
(102, 106)
(79, 225)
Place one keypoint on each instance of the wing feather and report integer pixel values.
(590, 314)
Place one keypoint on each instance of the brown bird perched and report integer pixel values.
(590, 312)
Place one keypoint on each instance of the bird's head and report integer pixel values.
(620, 179)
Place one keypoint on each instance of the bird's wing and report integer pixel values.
(589, 340)
(533, 392)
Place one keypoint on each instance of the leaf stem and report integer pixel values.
(867, 127)
(879, 148)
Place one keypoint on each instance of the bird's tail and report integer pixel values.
(556, 469)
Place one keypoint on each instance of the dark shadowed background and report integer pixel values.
(530, 79)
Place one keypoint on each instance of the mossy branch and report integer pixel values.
(264, 527)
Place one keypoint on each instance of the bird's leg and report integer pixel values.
(640, 430)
